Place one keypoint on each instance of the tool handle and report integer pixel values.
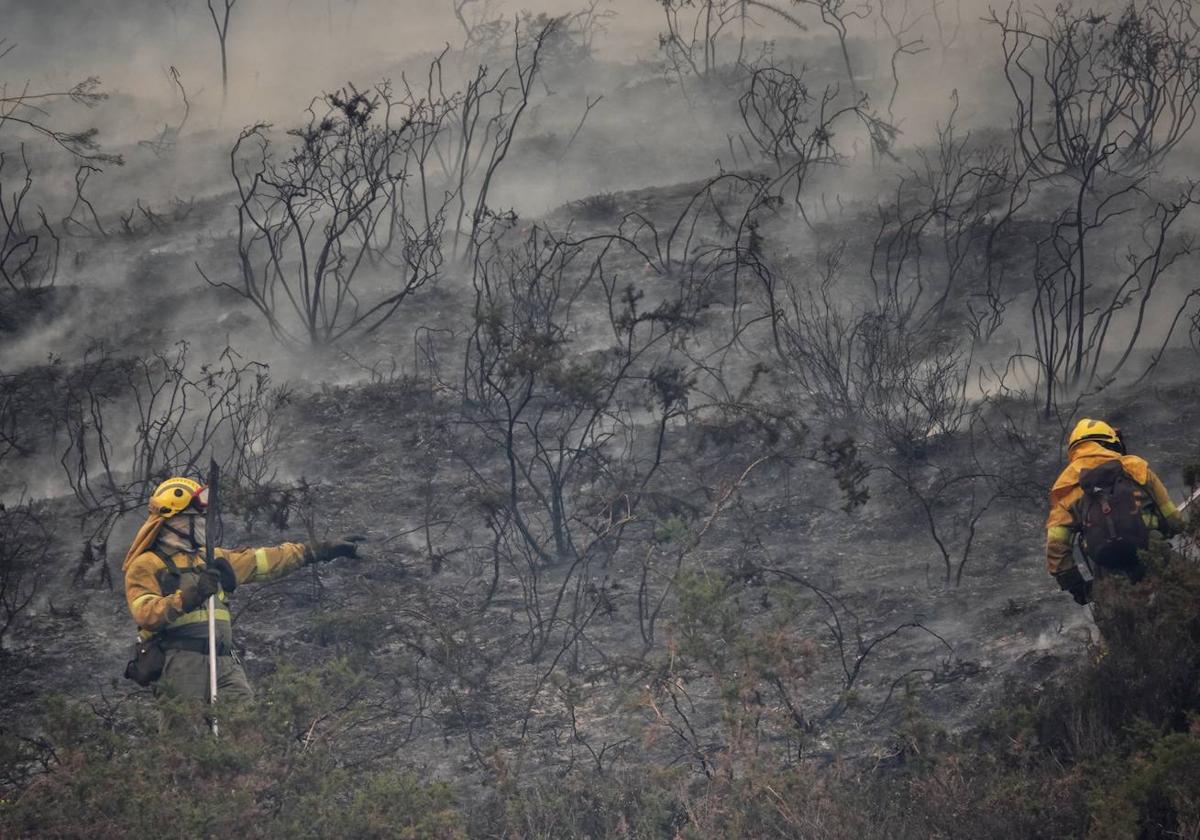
(211, 521)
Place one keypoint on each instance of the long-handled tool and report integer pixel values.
(1190, 499)
(1185, 545)
(210, 527)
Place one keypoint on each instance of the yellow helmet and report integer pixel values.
(175, 494)
(1095, 430)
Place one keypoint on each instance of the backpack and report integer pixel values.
(1111, 515)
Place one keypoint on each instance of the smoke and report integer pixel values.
(281, 52)
(644, 132)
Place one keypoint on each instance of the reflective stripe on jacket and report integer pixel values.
(157, 605)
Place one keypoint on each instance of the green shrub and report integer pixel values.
(273, 772)
(1159, 795)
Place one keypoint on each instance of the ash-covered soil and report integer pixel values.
(632, 494)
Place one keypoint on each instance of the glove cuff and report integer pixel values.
(228, 576)
(1070, 579)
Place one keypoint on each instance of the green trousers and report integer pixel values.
(185, 674)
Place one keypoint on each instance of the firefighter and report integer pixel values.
(167, 585)
(1107, 501)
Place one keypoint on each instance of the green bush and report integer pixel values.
(271, 773)
(584, 806)
(1158, 795)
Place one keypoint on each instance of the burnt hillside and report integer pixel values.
(696, 377)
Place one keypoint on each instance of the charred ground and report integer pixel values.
(707, 508)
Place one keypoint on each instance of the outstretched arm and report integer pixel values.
(257, 564)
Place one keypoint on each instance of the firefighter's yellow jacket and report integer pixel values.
(1062, 525)
(156, 602)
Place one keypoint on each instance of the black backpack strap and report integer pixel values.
(175, 570)
(166, 558)
(169, 562)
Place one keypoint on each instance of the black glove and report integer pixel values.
(229, 581)
(323, 552)
(196, 592)
(1083, 594)
(1073, 581)
(1172, 526)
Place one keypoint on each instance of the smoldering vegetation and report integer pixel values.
(697, 371)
